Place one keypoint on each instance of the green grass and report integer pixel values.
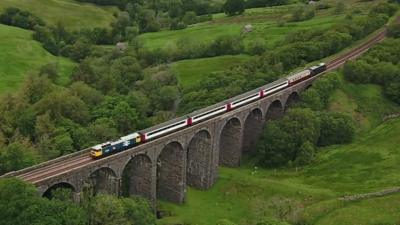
(364, 102)
(242, 195)
(72, 14)
(369, 164)
(190, 71)
(207, 32)
(19, 55)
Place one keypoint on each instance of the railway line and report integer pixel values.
(44, 171)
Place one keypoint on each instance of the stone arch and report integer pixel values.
(103, 180)
(49, 192)
(230, 143)
(136, 177)
(198, 162)
(293, 98)
(171, 172)
(274, 111)
(253, 127)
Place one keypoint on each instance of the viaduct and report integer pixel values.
(163, 168)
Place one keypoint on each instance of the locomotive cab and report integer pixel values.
(96, 151)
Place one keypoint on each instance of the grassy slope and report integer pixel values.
(189, 71)
(72, 14)
(19, 54)
(370, 163)
(206, 32)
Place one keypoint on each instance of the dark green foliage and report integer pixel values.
(336, 128)
(394, 30)
(17, 155)
(232, 7)
(20, 204)
(385, 8)
(317, 97)
(379, 66)
(109, 210)
(358, 71)
(264, 3)
(288, 140)
(16, 17)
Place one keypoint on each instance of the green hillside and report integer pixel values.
(72, 14)
(19, 55)
(190, 71)
(369, 164)
(267, 30)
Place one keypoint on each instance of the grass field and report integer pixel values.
(189, 71)
(72, 14)
(207, 32)
(19, 55)
(310, 194)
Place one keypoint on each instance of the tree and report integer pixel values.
(291, 139)
(50, 70)
(340, 8)
(305, 154)
(17, 155)
(189, 17)
(358, 71)
(110, 210)
(394, 30)
(20, 204)
(232, 7)
(62, 104)
(393, 92)
(138, 210)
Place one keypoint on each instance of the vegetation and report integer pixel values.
(379, 66)
(20, 55)
(232, 7)
(20, 204)
(18, 18)
(114, 91)
(297, 49)
(308, 194)
(72, 14)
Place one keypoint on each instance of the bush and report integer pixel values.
(232, 7)
(358, 72)
(394, 30)
(291, 139)
(16, 17)
(336, 128)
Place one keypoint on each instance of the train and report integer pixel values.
(152, 133)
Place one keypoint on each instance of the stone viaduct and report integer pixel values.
(164, 167)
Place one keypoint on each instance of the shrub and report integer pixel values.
(24, 19)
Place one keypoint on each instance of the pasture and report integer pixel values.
(72, 14)
(20, 55)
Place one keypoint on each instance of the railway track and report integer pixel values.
(36, 175)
